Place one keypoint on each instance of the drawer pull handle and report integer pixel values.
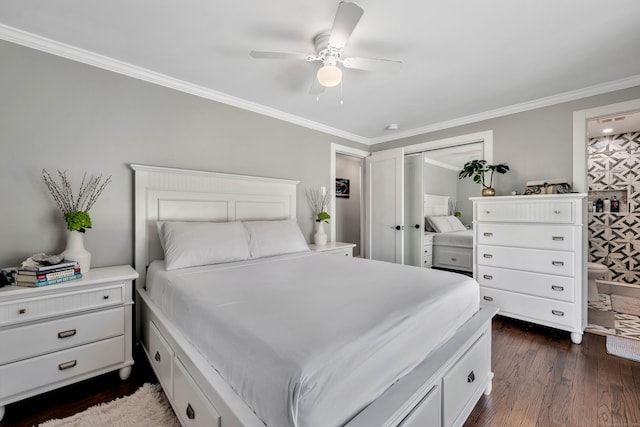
(67, 334)
(557, 312)
(488, 256)
(486, 298)
(471, 377)
(157, 357)
(557, 263)
(558, 238)
(454, 259)
(488, 234)
(488, 277)
(67, 365)
(22, 311)
(557, 211)
(191, 414)
(105, 297)
(557, 288)
(487, 212)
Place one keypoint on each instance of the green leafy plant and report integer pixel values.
(319, 201)
(476, 169)
(75, 208)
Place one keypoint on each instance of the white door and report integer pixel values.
(385, 176)
(413, 207)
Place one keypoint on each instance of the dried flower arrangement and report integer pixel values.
(75, 208)
(319, 202)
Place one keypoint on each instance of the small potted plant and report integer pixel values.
(477, 170)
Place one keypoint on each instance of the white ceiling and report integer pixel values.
(463, 60)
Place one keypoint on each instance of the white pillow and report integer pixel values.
(187, 244)
(440, 224)
(456, 225)
(270, 238)
(446, 224)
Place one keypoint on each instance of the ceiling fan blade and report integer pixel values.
(347, 17)
(316, 87)
(261, 54)
(371, 64)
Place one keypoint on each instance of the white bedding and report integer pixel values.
(463, 239)
(310, 339)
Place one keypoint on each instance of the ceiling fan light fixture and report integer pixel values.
(329, 75)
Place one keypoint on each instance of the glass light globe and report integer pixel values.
(329, 75)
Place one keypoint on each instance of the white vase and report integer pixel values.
(75, 251)
(320, 238)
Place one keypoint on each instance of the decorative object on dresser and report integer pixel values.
(530, 258)
(76, 330)
(548, 186)
(476, 169)
(76, 211)
(319, 201)
(42, 270)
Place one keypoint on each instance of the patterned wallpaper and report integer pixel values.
(613, 167)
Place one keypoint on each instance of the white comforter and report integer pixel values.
(310, 339)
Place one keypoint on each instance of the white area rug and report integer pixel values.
(623, 347)
(148, 406)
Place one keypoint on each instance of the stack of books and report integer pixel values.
(43, 275)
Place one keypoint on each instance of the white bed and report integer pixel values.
(440, 389)
(452, 249)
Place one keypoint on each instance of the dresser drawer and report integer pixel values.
(541, 285)
(464, 378)
(547, 236)
(34, 308)
(534, 260)
(161, 359)
(452, 257)
(526, 307)
(29, 374)
(192, 406)
(526, 211)
(41, 338)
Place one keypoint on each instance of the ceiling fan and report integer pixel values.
(328, 50)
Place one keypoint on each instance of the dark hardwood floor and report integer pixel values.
(541, 379)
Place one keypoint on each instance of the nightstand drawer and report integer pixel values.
(27, 375)
(33, 340)
(161, 356)
(51, 305)
(191, 405)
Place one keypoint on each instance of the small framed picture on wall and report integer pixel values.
(342, 188)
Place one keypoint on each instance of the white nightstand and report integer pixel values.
(59, 334)
(427, 248)
(337, 248)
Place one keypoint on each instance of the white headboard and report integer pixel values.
(435, 205)
(165, 194)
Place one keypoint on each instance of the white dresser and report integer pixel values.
(60, 334)
(530, 258)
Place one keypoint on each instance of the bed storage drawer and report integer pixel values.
(29, 374)
(542, 285)
(427, 412)
(539, 236)
(541, 310)
(453, 257)
(161, 356)
(191, 405)
(464, 378)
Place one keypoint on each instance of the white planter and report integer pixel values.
(320, 238)
(75, 251)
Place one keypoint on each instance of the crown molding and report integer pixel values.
(517, 108)
(73, 53)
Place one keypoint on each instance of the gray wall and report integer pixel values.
(348, 210)
(59, 114)
(439, 181)
(536, 144)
